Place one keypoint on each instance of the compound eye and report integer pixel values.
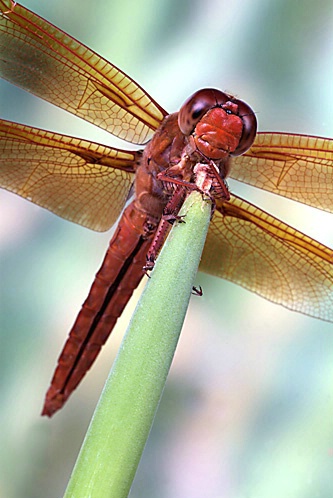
(197, 105)
(249, 127)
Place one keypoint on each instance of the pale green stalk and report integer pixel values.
(118, 432)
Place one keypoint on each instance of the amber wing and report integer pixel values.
(252, 248)
(299, 167)
(81, 181)
(37, 56)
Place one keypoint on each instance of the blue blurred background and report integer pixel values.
(248, 407)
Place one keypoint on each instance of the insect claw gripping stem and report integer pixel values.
(170, 215)
(197, 291)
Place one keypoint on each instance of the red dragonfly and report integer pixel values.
(213, 136)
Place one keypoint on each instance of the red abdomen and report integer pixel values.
(119, 275)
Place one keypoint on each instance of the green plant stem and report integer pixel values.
(123, 418)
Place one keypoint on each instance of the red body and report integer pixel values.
(169, 151)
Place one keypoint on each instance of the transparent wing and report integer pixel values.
(299, 167)
(252, 248)
(84, 182)
(42, 59)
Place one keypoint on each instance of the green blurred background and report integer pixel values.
(248, 407)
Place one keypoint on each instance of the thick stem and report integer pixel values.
(123, 418)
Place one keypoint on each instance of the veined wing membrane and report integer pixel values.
(295, 166)
(42, 59)
(252, 248)
(81, 181)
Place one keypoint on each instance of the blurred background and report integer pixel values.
(248, 407)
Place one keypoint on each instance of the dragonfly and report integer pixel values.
(212, 137)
